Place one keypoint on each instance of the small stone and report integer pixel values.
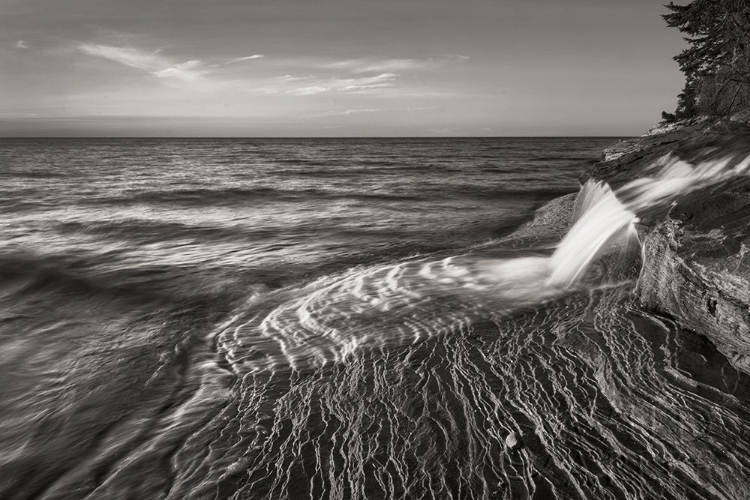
(512, 441)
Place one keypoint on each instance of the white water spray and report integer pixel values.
(601, 216)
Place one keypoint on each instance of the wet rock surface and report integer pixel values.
(696, 265)
(512, 441)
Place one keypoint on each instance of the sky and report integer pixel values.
(292, 68)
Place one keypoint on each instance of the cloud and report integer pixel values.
(348, 85)
(368, 65)
(311, 85)
(125, 55)
(186, 71)
(20, 44)
(291, 78)
(159, 66)
(383, 85)
(353, 76)
(246, 58)
(356, 111)
(151, 62)
(349, 112)
(375, 64)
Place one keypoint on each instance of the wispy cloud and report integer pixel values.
(151, 62)
(125, 55)
(160, 66)
(20, 44)
(189, 70)
(368, 75)
(348, 85)
(376, 64)
(246, 58)
(373, 65)
(357, 111)
(346, 112)
(352, 76)
(292, 78)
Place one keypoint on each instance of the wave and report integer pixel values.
(62, 278)
(380, 168)
(34, 275)
(231, 196)
(36, 175)
(587, 159)
(145, 230)
(219, 197)
(513, 192)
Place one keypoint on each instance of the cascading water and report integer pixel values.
(602, 216)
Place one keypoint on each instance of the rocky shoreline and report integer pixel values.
(696, 252)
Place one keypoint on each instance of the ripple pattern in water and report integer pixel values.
(166, 340)
(607, 401)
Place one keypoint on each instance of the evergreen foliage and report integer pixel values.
(717, 61)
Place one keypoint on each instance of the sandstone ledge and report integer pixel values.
(696, 258)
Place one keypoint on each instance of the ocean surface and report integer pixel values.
(335, 318)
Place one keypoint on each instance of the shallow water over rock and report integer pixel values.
(163, 350)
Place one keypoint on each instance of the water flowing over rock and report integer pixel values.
(608, 398)
(696, 266)
(605, 218)
(517, 367)
(601, 217)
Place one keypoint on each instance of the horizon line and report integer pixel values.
(322, 137)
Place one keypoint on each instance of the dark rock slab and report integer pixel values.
(696, 254)
(697, 268)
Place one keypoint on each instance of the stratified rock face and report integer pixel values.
(696, 264)
(706, 294)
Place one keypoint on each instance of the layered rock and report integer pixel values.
(696, 259)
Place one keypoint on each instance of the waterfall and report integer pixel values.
(603, 215)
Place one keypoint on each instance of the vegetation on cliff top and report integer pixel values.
(717, 61)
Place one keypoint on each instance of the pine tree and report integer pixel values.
(717, 62)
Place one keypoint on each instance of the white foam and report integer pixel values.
(602, 217)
